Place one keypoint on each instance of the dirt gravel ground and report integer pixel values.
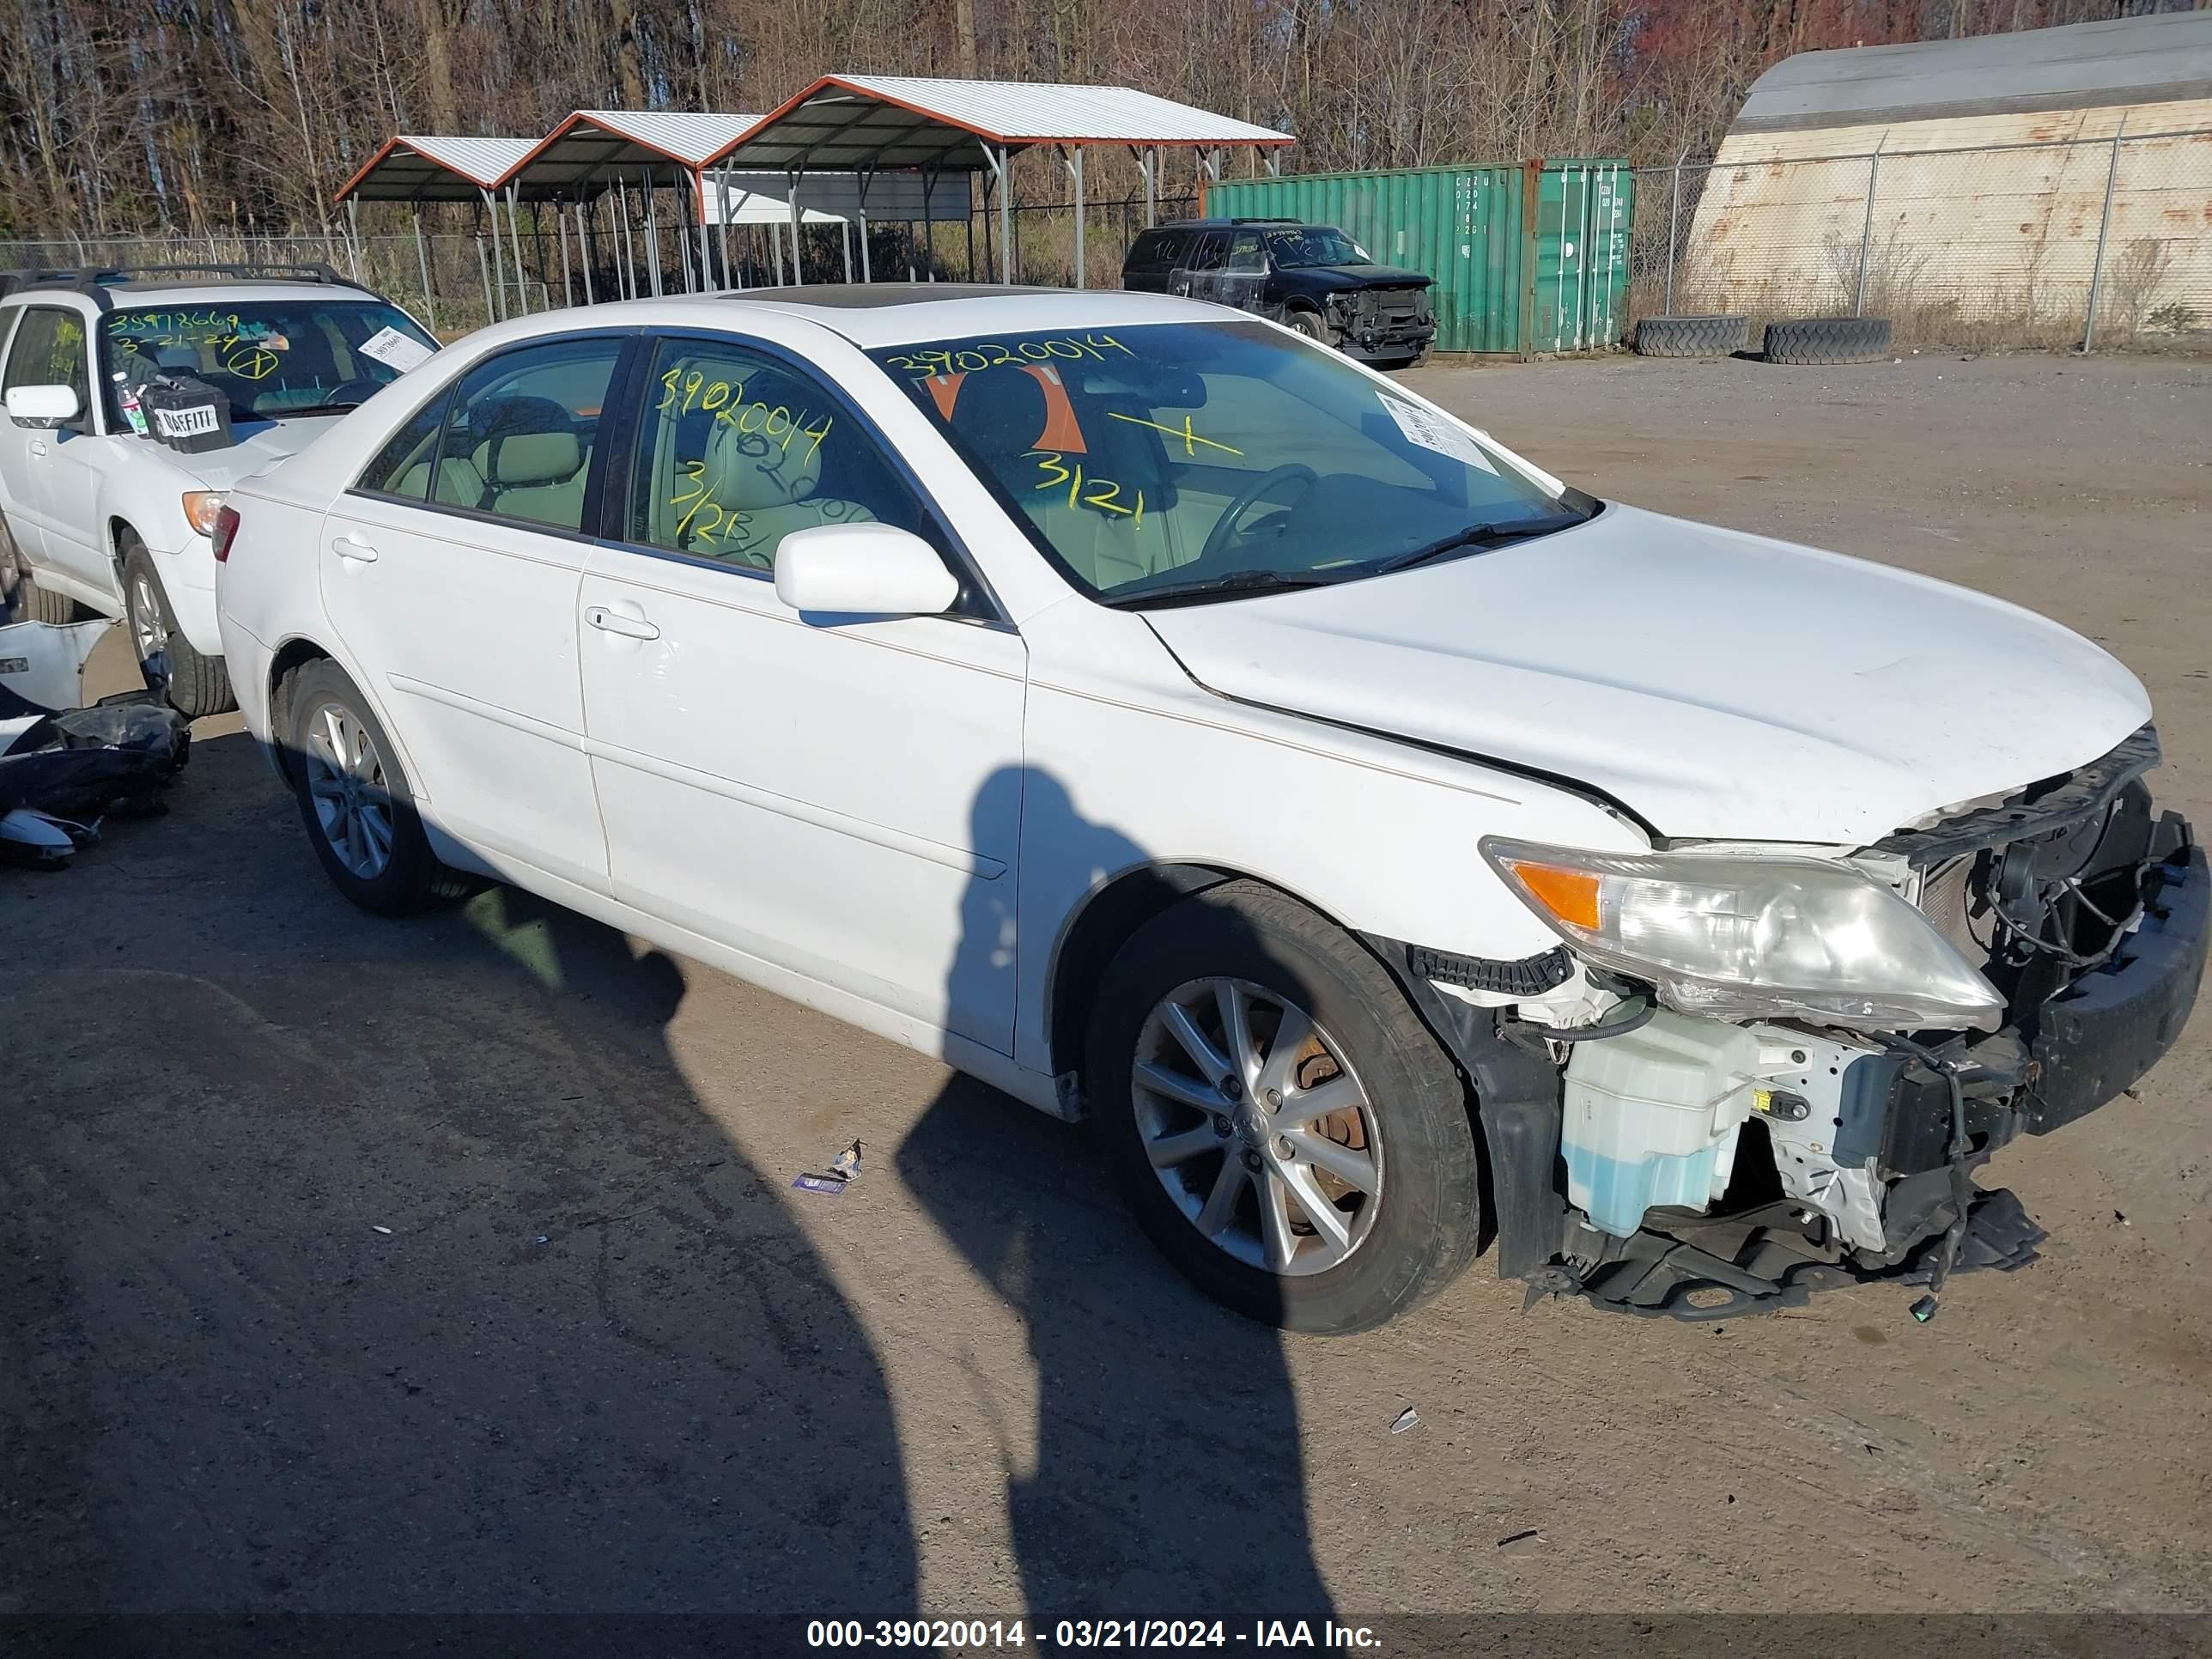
(453, 1264)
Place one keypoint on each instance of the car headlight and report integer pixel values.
(1735, 937)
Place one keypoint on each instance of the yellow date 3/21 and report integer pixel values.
(1103, 494)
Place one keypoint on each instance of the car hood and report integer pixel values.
(1347, 277)
(259, 447)
(1718, 684)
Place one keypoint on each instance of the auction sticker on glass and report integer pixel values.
(1434, 431)
(396, 350)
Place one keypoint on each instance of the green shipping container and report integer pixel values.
(1527, 259)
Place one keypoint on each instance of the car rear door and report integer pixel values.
(449, 571)
(836, 797)
(1200, 276)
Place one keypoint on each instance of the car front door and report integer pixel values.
(54, 348)
(48, 485)
(836, 797)
(17, 507)
(450, 571)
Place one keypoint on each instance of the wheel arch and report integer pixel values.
(1097, 928)
(290, 658)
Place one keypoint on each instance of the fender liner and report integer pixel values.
(1517, 1105)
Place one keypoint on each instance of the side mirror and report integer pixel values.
(43, 405)
(863, 570)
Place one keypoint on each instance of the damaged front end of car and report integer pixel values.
(1742, 1077)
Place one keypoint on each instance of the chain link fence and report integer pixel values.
(2105, 240)
(458, 282)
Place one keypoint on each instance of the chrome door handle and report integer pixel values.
(350, 546)
(613, 621)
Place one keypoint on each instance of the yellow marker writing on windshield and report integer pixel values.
(1190, 439)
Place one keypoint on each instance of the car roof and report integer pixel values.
(1226, 224)
(872, 315)
(151, 292)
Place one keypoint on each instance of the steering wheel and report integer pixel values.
(1226, 525)
(358, 389)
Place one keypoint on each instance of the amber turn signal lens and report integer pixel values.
(1569, 895)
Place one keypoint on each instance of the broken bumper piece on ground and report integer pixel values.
(63, 768)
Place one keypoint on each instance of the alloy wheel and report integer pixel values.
(346, 782)
(1257, 1126)
(149, 632)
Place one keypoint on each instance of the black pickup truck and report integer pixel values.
(1313, 277)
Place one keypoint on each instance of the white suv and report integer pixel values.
(1162, 718)
(98, 505)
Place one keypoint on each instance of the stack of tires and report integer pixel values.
(1799, 340)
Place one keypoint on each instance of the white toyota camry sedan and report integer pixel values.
(1391, 849)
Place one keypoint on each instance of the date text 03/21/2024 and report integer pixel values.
(977, 1634)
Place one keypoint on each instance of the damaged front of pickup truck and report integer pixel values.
(1684, 1121)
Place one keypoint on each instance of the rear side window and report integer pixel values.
(50, 350)
(1157, 250)
(521, 435)
(1207, 255)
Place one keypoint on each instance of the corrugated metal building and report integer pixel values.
(1971, 175)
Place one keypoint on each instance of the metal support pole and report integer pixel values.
(1866, 230)
(699, 209)
(567, 280)
(584, 255)
(484, 269)
(929, 176)
(1074, 165)
(1673, 216)
(845, 242)
(798, 276)
(625, 266)
(652, 232)
(730, 278)
(775, 236)
(2104, 227)
(1006, 215)
(353, 245)
(515, 240)
(422, 264)
(498, 259)
(867, 268)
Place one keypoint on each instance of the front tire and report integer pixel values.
(354, 800)
(194, 686)
(1286, 1130)
(1310, 324)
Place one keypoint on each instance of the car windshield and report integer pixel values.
(1172, 460)
(1315, 245)
(273, 359)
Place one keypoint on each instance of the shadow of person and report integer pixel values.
(401, 1268)
(1168, 1476)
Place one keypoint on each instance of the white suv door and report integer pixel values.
(837, 797)
(49, 470)
(451, 570)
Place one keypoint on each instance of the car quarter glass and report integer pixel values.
(737, 450)
(1145, 457)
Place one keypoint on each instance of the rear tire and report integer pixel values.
(194, 686)
(1382, 1249)
(354, 800)
(40, 605)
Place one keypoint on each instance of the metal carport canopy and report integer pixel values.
(576, 158)
(865, 123)
(422, 168)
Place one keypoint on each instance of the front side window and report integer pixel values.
(515, 439)
(1186, 455)
(1315, 244)
(49, 349)
(273, 359)
(1244, 254)
(737, 450)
